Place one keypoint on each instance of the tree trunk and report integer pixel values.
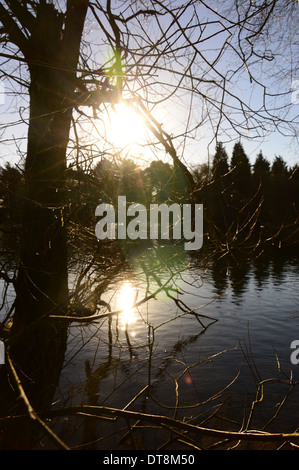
(37, 343)
(42, 283)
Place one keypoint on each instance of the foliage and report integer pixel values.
(257, 205)
(183, 67)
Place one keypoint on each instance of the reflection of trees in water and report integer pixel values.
(229, 272)
(261, 270)
(38, 359)
(171, 374)
(159, 372)
(141, 373)
(45, 308)
(220, 275)
(239, 271)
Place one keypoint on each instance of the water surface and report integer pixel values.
(205, 367)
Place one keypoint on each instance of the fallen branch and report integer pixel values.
(98, 411)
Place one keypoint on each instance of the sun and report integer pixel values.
(125, 127)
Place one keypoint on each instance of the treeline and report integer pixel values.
(247, 203)
(243, 203)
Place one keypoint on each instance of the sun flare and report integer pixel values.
(125, 127)
(126, 301)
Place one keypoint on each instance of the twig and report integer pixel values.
(32, 414)
(97, 411)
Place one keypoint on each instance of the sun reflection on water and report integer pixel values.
(126, 301)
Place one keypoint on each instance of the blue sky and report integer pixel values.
(175, 114)
(196, 151)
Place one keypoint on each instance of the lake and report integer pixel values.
(217, 327)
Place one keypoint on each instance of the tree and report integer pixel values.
(159, 53)
(202, 175)
(294, 182)
(279, 168)
(281, 204)
(220, 203)
(220, 166)
(261, 184)
(49, 42)
(241, 173)
(158, 178)
(261, 169)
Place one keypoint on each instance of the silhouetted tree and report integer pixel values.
(281, 205)
(219, 191)
(220, 165)
(48, 41)
(202, 175)
(261, 169)
(294, 183)
(261, 184)
(279, 168)
(46, 53)
(158, 180)
(240, 174)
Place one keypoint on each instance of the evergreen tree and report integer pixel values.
(220, 166)
(294, 188)
(261, 169)
(202, 175)
(240, 174)
(279, 168)
(282, 211)
(261, 188)
(219, 195)
(158, 179)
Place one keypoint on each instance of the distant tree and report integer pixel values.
(106, 172)
(220, 165)
(202, 175)
(294, 188)
(158, 180)
(281, 203)
(131, 182)
(240, 174)
(261, 169)
(279, 168)
(261, 187)
(219, 196)
(83, 195)
(71, 61)
(294, 172)
(119, 177)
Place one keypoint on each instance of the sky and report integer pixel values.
(197, 149)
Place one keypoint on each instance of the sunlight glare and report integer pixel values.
(126, 301)
(125, 127)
